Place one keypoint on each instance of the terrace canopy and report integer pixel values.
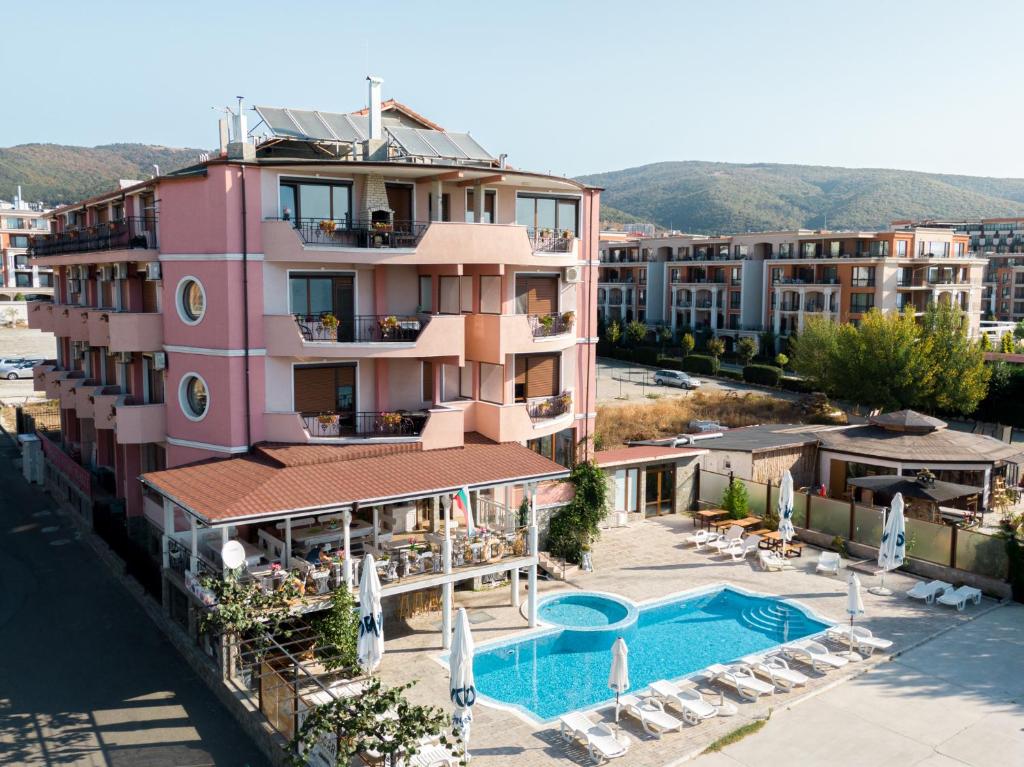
(929, 495)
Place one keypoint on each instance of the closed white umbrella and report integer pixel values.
(893, 547)
(460, 680)
(618, 678)
(854, 607)
(786, 531)
(371, 617)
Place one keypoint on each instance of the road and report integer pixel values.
(85, 677)
(23, 342)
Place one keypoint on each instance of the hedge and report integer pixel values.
(670, 363)
(798, 385)
(701, 363)
(733, 375)
(766, 375)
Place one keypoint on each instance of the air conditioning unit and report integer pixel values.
(121, 271)
(573, 274)
(124, 357)
(105, 273)
(153, 270)
(159, 360)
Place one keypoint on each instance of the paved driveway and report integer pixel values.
(85, 676)
(956, 700)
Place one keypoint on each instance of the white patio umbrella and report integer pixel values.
(460, 684)
(854, 607)
(893, 547)
(371, 617)
(618, 678)
(786, 531)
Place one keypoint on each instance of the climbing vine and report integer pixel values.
(574, 527)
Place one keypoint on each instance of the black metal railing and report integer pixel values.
(350, 424)
(542, 408)
(545, 241)
(127, 233)
(361, 329)
(544, 325)
(360, 233)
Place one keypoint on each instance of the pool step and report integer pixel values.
(775, 619)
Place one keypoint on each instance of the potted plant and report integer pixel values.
(565, 401)
(391, 421)
(567, 234)
(568, 319)
(545, 233)
(547, 322)
(388, 325)
(327, 226)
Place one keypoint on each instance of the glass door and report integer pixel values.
(659, 496)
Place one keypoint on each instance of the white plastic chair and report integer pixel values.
(829, 562)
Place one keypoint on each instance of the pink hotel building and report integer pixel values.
(350, 311)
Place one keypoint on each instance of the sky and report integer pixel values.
(560, 86)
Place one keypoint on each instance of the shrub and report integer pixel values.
(670, 363)
(795, 384)
(746, 348)
(767, 375)
(735, 500)
(645, 355)
(732, 375)
(575, 526)
(19, 296)
(636, 333)
(686, 343)
(701, 363)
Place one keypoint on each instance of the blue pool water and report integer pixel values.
(566, 669)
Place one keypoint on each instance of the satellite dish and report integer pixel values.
(232, 554)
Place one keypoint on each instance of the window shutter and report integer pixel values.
(314, 390)
(542, 295)
(149, 296)
(542, 376)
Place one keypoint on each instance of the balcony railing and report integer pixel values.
(360, 233)
(547, 242)
(361, 329)
(544, 325)
(132, 232)
(543, 408)
(350, 424)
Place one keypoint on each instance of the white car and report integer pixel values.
(19, 369)
(675, 378)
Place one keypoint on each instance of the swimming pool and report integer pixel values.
(565, 668)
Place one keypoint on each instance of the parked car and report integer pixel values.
(675, 378)
(10, 360)
(19, 369)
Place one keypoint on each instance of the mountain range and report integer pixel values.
(713, 197)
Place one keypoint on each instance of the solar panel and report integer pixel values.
(279, 122)
(443, 145)
(311, 125)
(468, 144)
(410, 140)
(345, 127)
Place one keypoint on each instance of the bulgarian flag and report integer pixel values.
(461, 502)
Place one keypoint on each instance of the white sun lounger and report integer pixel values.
(928, 591)
(739, 550)
(701, 538)
(813, 654)
(863, 639)
(960, 597)
(776, 671)
(723, 542)
(771, 560)
(597, 737)
(651, 714)
(688, 701)
(431, 755)
(740, 678)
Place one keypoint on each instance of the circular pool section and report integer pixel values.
(587, 611)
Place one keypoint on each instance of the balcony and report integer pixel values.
(547, 242)
(105, 399)
(397, 423)
(128, 331)
(435, 428)
(342, 233)
(546, 408)
(489, 337)
(521, 421)
(39, 373)
(379, 336)
(40, 315)
(66, 383)
(138, 424)
(83, 393)
(126, 234)
(71, 321)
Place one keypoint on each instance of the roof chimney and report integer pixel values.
(375, 83)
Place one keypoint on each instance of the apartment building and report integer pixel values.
(19, 221)
(746, 284)
(363, 299)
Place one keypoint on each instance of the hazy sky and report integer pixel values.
(568, 87)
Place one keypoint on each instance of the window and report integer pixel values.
(315, 201)
(194, 397)
(734, 299)
(959, 250)
(191, 300)
(835, 248)
(21, 262)
(19, 241)
(46, 279)
(536, 295)
(537, 375)
(901, 247)
(466, 293)
(863, 277)
(426, 301)
(490, 294)
(861, 302)
(557, 214)
(489, 199)
(934, 248)
(446, 206)
(785, 249)
(740, 251)
(449, 295)
(22, 280)
(466, 380)
(830, 275)
(735, 275)
(560, 447)
(492, 383)
(776, 274)
(810, 249)
(428, 381)
(879, 248)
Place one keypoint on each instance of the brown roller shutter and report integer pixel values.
(314, 390)
(149, 289)
(542, 295)
(542, 376)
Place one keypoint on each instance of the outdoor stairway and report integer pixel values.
(776, 620)
(555, 567)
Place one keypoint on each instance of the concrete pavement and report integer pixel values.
(85, 677)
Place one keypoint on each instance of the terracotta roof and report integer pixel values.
(276, 480)
(390, 105)
(642, 454)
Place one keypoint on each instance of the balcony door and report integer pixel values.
(537, 375)
(326, 390)
(316, 295)
(537, 295)
(400, 202)
(660, 492)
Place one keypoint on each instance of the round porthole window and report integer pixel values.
(191, 300)
(194, 396)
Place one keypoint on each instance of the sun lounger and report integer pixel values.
(431, 754)
(776, 671)
(960, 597)
(701, 538)
(723, 542)
(828, 562)
(741, 548)
(813, 654)
(651, 714)
(688, 701)
(597, 737)
(740, 678)
(865, 642)
(771, 560)
(928, 591)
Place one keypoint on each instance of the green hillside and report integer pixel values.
(706, 197)
(59, 174)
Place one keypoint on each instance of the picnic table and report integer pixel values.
(746, 523)
(773, 541)
(707, 517)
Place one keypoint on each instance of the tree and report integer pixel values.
(636, 333)
(985, 343)
(961, 377)
(815, 353)
(781, 360)
(613, 333)
(716, 348)
(664, 335)
(575, 526)
(1018, 330)
(378, 720)
(338, 633)
(746, 348)
(686, 343)
(767, 344)
(735, 500)
(1006, 345)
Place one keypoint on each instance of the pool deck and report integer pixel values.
(649, 560)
